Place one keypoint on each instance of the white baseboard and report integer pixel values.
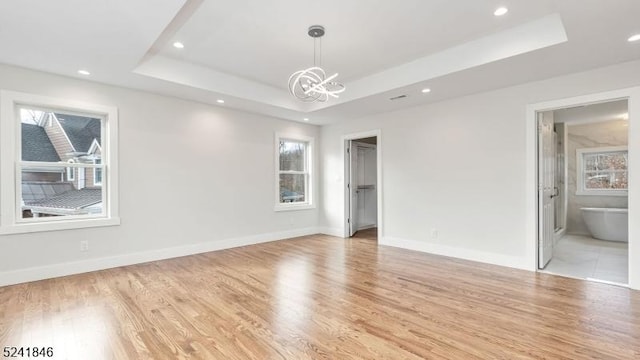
(365, 227)
(83, 266)
(456, 252)
(337, 232)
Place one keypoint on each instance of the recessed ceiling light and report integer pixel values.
(500, 11)
(635, 37)
(220, 101)
(426, 90)
(178, 45)
(84, 72)
(306, 119)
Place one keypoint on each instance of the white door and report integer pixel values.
(546, 190)
(353, 188)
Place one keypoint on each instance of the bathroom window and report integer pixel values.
(602, 171)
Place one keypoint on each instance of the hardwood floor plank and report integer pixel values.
(320, 297)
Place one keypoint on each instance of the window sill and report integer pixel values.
(294, 207)
(23, 228)
(602, 193)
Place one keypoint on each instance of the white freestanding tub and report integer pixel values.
(607, 223)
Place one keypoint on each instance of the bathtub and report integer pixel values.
(607, 223)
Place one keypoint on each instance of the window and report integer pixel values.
(293, 172)
(71, 172)
(97, 173)
(602, 171)
(43, 183)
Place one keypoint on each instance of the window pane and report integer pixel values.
(605, 170)
(620, 180)
(605, 180)
(46, 194)
(615, 161)
(590, 162)
(97, 173)
(59, 138)
(292, 188)
(292, 155)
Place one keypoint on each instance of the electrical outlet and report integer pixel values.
(434, 233)
(84, 245)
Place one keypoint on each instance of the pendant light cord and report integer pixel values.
(317, 52)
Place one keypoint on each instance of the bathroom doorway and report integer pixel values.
(362, 182)
(583, 193)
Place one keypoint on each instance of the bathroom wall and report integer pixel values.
(601, 134)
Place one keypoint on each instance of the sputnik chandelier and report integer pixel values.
(312, 84)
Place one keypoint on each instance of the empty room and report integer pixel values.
(295, 179)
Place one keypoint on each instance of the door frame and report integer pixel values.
(379, 188)
(632, 95)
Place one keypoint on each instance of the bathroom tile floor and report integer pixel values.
(588, 258)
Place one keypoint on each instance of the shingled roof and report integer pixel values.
(72, 200)
(81, 130)
(36, 145)
(39, 191)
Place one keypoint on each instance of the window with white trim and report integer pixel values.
(44, 151)
(71, 172)
(97, 173)
(602, 171)
(293, 172)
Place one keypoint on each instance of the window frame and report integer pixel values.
(11, 221)
(95, 172)
(308, 172)
(580, 171)
(71, 172)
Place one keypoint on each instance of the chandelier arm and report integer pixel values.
(320, 86)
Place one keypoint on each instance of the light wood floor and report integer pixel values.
(321, 297)
(370, 234)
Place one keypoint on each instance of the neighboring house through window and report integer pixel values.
(293, 172)
(602, 171)
(59, 162)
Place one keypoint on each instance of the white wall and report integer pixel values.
(193, 177)
(459, 166)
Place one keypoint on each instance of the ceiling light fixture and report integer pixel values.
(312, 84)
(306, 119)
(633, 38)
(426, 90)
(220, 101)
(84, 72)
(178, 45)
(500, 11)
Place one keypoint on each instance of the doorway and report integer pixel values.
(362, 186)
(582, 195)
